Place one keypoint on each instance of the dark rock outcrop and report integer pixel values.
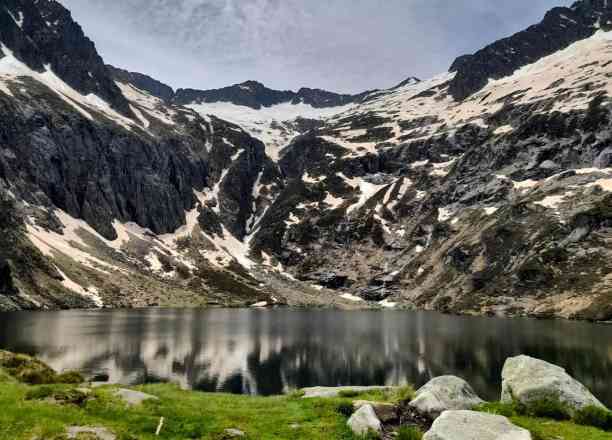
(142, 82)
(43, 33)
(559, 28)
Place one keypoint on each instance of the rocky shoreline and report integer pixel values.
(539, 401)
(447, 407)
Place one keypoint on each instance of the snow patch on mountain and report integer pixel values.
(11, 69)
(147, 103)
(268, 124)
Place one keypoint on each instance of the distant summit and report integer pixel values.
(255, 95)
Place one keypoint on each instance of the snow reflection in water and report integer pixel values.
(271, 351)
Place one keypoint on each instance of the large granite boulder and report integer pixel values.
(365, 420)
(527, 380)
(470, 425)
(444, 393)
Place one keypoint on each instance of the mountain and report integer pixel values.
(484, 190)
(255, 95)
(559, 28)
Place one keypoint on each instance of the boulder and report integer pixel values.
(375, 293)
(386, 412)
(527, 380)
(133, 398)
(444, 393)
(471, 425)
(330, 280)
(364, 420)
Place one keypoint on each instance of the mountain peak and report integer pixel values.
(44, 36)
(411, 80)
(560, 27)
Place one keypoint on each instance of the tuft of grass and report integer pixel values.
(60, 394)
(390, 395)
(543, 408)
(296, 394)
(543, 428)
(345, 408)
(546, 429)
(501, 409)
(29, 370)
(371, 435)
(594, 416)
(70, 377)
(409, 433)
(548, 408)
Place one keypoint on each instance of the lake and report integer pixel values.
(272, 351)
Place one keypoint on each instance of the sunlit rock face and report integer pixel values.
(273, 351)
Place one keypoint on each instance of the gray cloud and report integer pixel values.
(344, 45)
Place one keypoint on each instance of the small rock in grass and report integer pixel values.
(132, 397)
(386, 412)
(233, 433)
(470, 425)
(364, 421)
(99, 433)
(336, 391)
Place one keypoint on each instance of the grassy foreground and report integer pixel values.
(44, 412)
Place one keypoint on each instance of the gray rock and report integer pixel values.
(365, 420)
(335, 391)
(331, 280)
(445, 393)
(132, 397)
(375, 293)
(548, 165)
(386, 412)
(233, 433)
(100, 433)
(470, 425)
(527, 379)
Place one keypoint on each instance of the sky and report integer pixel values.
(340, 45)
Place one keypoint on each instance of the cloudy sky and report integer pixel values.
(340, 45)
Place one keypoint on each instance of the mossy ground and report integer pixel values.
(546, 428)
(188, 415)
(44, 412)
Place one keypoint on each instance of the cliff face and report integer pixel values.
(43, 35)
(455, 193)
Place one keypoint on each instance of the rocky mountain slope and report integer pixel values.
(482, 190)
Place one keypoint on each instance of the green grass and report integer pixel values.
(543, 428)
(409, 433)
(43, 412)
(594, 416)
(392, 395)
(188, 415)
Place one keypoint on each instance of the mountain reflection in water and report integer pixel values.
(272, 351)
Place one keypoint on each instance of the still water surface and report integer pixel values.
(271, 351)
